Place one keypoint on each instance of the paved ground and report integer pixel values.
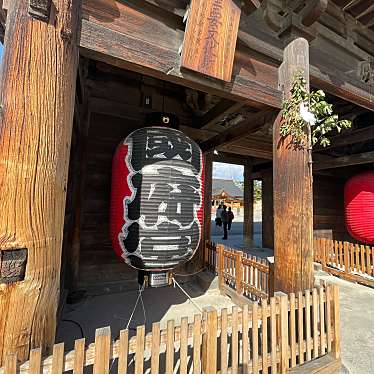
(235, 239)
(114, 310)
(357, 325)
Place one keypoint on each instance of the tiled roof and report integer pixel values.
(228, 186)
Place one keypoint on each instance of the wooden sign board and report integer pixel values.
(210, 37)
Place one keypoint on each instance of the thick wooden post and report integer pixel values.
(292, 183)
(267, 210)
(37, 103)
(248, 205)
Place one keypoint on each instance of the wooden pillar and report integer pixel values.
(37, 102)
(248, 205)
(292, 183)
(267, 210)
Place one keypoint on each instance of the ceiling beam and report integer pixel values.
(351, 137)
(250, 147)
(230, 158)
(338, 162)
(219, 112)
(251, 124)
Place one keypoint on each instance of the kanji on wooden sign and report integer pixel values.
(210, 38)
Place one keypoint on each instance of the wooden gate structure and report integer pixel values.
(80, 75)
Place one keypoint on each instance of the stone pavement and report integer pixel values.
(357, 324)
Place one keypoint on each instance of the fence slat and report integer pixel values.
(102, 351)
(169, 347)
(368, 264)
(212, 342)
(315, 322)
(123, 351)
(273, 340)
(300, 315)
(264, 330)
(234, 340)
(322, 320)
(79, 356)
(196, 343)
(283, 306)
(254, 338)
(362, 251)
(245, 348)
(336, 319)
(35, 361)
(11, 366)
(183, 351)
(307, 322)
(357, 252)
(328, 317)
(155, 350)
(58, 358)
(293, 329)
(139, 353)
(224, 341)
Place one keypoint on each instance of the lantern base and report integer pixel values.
(154, 278)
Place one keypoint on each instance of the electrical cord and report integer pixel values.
(189, 275)
(75, 323)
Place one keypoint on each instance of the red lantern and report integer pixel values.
(359, 207)
(157, 198)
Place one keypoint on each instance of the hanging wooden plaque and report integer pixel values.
(210, 37)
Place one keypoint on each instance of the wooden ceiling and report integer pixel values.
(361, 10)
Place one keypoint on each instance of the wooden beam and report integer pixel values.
(248, 205)
(153, 49)
(37, 95)
(250, 146)
(219, 112)
(230, 158)
(350, 137)
(293, 194)
(251, 124)
(338, 162)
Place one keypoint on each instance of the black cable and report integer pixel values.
(75, 323)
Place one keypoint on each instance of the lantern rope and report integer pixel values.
(189, 297)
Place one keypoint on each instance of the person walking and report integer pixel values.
(225, 221)
(218, 215)
(231, 217)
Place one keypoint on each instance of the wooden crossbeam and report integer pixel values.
(250, 125)
(338, 162)
(219, 112)
(352, 137)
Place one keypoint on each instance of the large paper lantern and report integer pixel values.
(359, 207)
(157, 198)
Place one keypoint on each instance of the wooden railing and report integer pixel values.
(349, 261)
(248, 275)
(286, 332)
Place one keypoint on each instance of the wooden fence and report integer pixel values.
(286, 332)
(349, 261)
(248, 275)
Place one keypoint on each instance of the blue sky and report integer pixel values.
(227, 171)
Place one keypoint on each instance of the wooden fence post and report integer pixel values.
(323, 253)
(11, 366)
(283, 332)
(347, 269)
(209, 352)
(271, 277)
(336, 321)
(221, 265)
(102, 351)
(239, 272)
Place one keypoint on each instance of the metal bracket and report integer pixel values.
(40, 9)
